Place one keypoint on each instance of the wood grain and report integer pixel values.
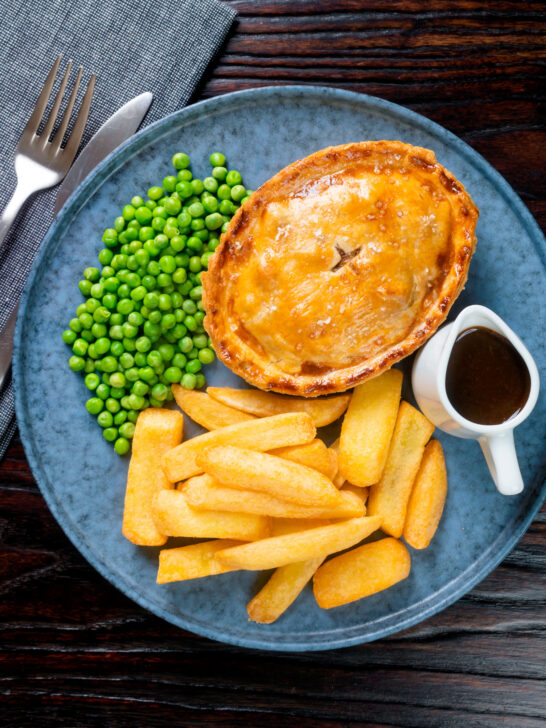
(75, 652)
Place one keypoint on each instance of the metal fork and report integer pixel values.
(40, 164)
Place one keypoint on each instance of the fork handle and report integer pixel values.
(6, 345)
(11, 210)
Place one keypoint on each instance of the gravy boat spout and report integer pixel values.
(429, 388)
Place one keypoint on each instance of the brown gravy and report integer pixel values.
(487, 380)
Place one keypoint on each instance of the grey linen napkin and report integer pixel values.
(162, 46)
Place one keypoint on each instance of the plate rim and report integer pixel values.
(273, 642)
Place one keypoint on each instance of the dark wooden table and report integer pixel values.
(75, 652)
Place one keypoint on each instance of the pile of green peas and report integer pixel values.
(140, 328)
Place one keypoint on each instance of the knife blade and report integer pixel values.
(117, 129)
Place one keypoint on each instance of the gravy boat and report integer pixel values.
(429, 388)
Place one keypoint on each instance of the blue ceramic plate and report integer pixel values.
(83, 481)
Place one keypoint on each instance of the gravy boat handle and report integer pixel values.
(500, 454)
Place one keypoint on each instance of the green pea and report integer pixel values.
(136, 402)
(189, 381)
(131, 374)
(195, 264)
(155, 193)
(224, 192)
(237, 193)
(105, 419)
(152, 331)
(200, 341)
(113, 406)
(143, 215)
(159, 392)
(94, 405)
(168, 321)
(128, 212)
(193, 353)
(196, 209)
(233, 178)
(110, 237)
(127, 430)
(155, 402)
(219, 172)
(154, 317)
(224, 227)
(143, 344)
(140, 388)
(116, 319)
(164, 280)
(126, 360)
(193, 366)
(197, 186)
(173, 375)
(172, 205)
(167, 263)
(110, 434)
(103, 391)
(200, 380)
(92, 381)
(138, 293)
(217, 159)
(145, 233)
(150, 204)
(91, 274)
(206, 356)
(169, 183)
(85, 287)
(120, 417)
(117, 380)
(132, 415)
(69, 336)
(80, 347)
(97, 291)
(214, 221)
(180, 160)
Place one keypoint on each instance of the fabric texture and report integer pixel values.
(132, 46)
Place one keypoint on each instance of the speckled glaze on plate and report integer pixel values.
(83, 480)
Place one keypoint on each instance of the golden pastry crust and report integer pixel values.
(339, 266)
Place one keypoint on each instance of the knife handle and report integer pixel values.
(6, 345)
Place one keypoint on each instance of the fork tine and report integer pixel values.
(81, 120)
(59, 134)
(48, 128)
(43, 98)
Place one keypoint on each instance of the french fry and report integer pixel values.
(204, 493)
(262, 404)
(205, 410)
(284, 586)
(314, 455)
(361, 572)
(243, 469)
(427, 498)
(301, 546)
(338, 478)
(361, 493)
(367, 428)
(282, 526)
(157, 431)
(192, 562)
(263, 434)
(175, 517)
(389, 497)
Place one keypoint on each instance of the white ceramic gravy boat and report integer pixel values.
(429, 388)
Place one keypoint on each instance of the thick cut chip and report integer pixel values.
(324, 410)
(156, 432)
(192, 562)
(284, 586)
(301, 546)
(175, 517)
(367, 428)
(282, 526)
(204, 493)
(389, 497)
(205, 410)
(427, 498)
(314, 455)
(360, 572)
(361, 493)
(284, 479)
(264, 434)
(338, 478)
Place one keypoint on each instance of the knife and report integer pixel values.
(119, 127)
